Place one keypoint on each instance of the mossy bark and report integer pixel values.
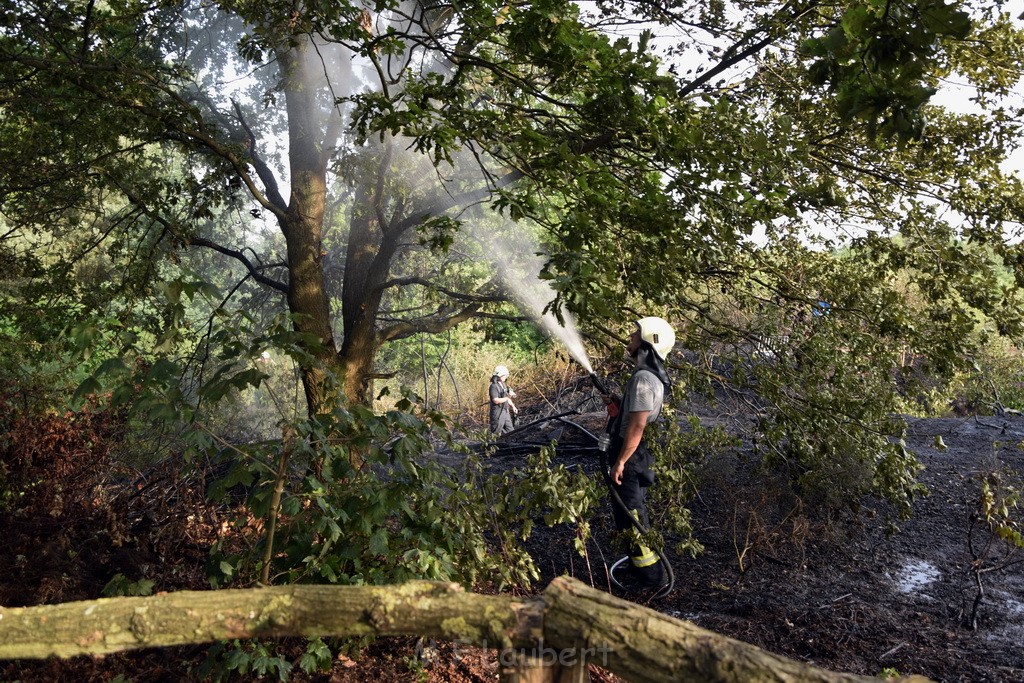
(553, 636)
(641, 644)
(435, 610)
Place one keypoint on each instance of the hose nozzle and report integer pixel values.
(598, 384)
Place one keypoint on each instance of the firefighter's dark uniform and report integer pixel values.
(644, 392)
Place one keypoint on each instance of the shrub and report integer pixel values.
(404, 513)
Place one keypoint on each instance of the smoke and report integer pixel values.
(511, 247)
(534, 296)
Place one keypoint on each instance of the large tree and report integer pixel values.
(647, 141)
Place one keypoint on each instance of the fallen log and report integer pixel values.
(568, 621)
(432, 610)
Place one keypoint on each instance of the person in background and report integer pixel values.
(502, 407)
(630, 459)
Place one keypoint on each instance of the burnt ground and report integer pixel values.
(859, 593)
(852, 594)
(863, 593)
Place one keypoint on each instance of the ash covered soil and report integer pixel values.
(857, 594)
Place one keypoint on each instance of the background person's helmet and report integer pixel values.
(501, 371)
(658, 333)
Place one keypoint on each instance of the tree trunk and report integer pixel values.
(641, 644)
(360, 302)
(372, 247)
(432, 610)
(308, 304)
(303, 228)
(569, 626)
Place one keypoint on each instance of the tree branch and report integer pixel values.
(262, 169)
(407, 328)
(176, 130)
(462, 296)
(253, 269)
(86, 27)
(734, 55)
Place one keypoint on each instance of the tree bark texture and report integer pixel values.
(303, 227)
(372, 246)
(569, 625)
(434, 610)
(641, 644)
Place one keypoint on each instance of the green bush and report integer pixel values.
(404, 514)
(681, 457)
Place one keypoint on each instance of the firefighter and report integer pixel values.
(502, 407)
(630, 463)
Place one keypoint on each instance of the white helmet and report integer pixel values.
(501, 371)
(658, 333)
